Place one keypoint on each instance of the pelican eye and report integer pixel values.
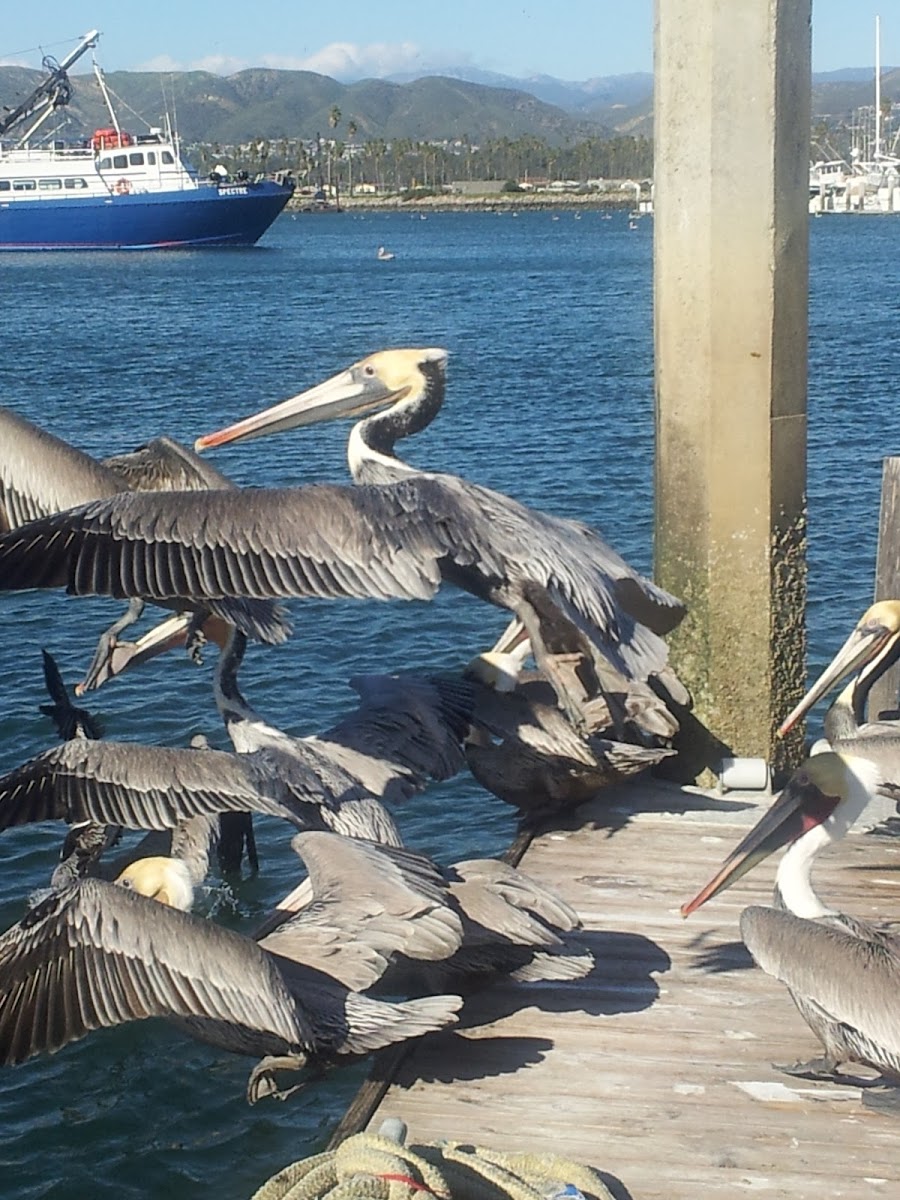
(874, 627)
(126, 883)
(369, 370)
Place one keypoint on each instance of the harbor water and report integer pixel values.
(548, 318)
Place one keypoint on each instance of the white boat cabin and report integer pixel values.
(109, 163)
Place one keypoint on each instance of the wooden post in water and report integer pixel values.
(730, 297)
(883, 696)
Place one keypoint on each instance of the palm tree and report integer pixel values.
(351, 134)
(378, 150)
(334, 119)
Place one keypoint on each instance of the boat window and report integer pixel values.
(24, 185)
(120, 161)
(151, 158)
(75, 184)
(167, 157)
(105, 164)
(50, 185)
(5, 185)
(136, 160)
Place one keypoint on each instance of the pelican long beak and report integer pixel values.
(371, 384)
(798, 808)
(167, 635)
(863, 644)
(342, 396)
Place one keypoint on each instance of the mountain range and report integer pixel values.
(465, 105)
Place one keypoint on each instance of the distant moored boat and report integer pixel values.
(117, 190)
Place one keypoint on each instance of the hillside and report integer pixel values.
(262, 103)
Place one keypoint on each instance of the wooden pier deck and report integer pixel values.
(657, 1068)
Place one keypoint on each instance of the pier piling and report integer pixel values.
(730, 313)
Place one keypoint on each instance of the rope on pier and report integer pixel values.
(378, 1166)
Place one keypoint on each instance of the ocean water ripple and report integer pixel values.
(550, 398)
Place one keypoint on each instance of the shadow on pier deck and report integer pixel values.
(657, 1068)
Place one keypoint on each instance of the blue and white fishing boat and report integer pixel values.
(116, 190)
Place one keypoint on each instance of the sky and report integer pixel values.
(352, 39)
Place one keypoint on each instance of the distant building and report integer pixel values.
(477, 187)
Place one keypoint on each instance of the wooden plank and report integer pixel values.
(657, 1068)
(883, 697)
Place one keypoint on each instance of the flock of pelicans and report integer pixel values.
(378, 943)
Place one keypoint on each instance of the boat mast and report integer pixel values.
(877, 153)
(51, 93)
(109, 105)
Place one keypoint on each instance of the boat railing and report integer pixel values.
(24, 154)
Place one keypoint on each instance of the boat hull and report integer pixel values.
(236, 215)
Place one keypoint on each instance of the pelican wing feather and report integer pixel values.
(511, 903)
(41, 474)
(140, 787)
(368, 903)
(95, 955)
(164, 465)
(851, 977)
(407, 730)
(322, 540)
(501, 539)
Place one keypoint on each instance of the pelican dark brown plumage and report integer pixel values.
(95, 954)
(384, 540)
(516, 557)
(523, 749)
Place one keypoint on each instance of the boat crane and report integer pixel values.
(51, 93)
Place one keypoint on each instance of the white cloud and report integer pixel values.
(344, 60)
(341, 60)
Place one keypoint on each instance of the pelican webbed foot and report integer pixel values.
(823, 1068)
(883, 1098)
(263, 1083)
(195, 638)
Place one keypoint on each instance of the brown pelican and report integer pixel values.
(524, 749)
(95, 954)
(323, 540)
(191, 839)
(512, 926)
(870, 650)
(41, 474)
(514, 556)
(843, 974)
(404, 733)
